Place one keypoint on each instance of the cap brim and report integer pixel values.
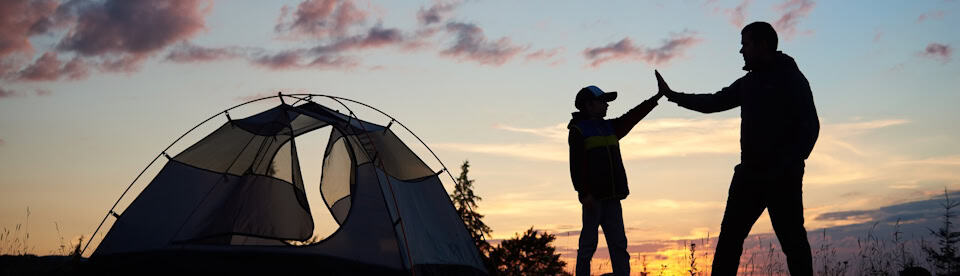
(609, 96)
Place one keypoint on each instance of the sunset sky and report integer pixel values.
(91, 91)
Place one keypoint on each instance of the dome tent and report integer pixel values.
(234, 201)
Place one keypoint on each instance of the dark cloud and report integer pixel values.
(189, 53)
(376, 37)
(437, 12)
(471, 44)
(297, 59)
(49, 68)
(20, 19)
(626, 49)
(922, 209)
(321, 18)
(124, 33)
(937, 51)
(793, 12)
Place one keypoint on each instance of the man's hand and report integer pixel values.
(663, 88)
(587, 200)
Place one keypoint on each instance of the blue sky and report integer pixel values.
(883, 76)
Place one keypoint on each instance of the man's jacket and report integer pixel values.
(596, 167)
(778, 121)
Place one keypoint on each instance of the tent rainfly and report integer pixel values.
(235, 200)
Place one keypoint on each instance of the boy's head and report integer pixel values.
(593, 101)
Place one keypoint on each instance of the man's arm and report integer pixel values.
(623, 124)
(726, 99)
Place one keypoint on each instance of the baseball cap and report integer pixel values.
(593, 93)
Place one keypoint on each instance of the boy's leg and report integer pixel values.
(613, 232)
(588, 237)
(744, 206)
(786, 215)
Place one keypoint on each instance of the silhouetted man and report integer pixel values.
(596, 169)
(778, 129)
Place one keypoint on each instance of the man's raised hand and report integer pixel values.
(662, 86)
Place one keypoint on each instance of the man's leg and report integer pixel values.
(588, 237)
(612, 224)
(744, 206)
(786, 214)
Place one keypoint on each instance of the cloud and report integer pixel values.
(189, 53)
(20, 19)
(738, 14)
(930, 15)
(937, 51)
(471, 44)
(295, 59)
(4, 93)
(545, 54)
(376, 37)
(675, 137)
(926, 209)
(651, 139)
(793, 12)
(437, 12)
(49, 68)
(124, 33)
(626, 49)
(321, 18)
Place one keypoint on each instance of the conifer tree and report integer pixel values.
(465, 201)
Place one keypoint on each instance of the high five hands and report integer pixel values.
(662, 88)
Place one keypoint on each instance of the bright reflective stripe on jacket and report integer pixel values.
(600, 141)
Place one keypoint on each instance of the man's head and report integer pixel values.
(593, 101)
(759, 43)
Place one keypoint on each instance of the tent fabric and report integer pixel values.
(239, 191)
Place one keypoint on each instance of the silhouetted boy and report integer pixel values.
(598, 175)
(778, 129)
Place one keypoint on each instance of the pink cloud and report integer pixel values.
(20, 19)
(930, 15)
(124, 33)
(471, 44)
(793, 12)
(626, 49)
(937, 51)
(321, 18)
(4, 93)
(2, 142)
(877, 36)
(49, 68)
(544, 54)
(737, 14)
(437, 12)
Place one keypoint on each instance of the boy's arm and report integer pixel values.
(623, 124)
(575, 140)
